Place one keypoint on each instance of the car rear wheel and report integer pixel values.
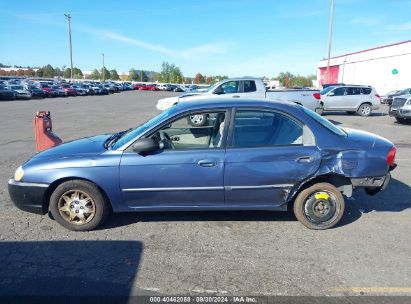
(320, 206)
(79, 205)
(364, 109)
(401, 120)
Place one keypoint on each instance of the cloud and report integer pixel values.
(210, 48)
(366, 21)
(406, 26)
(200, 50)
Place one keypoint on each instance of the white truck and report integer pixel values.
(248, 88)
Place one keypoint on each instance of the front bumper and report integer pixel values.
(399, 112)
(28, 197)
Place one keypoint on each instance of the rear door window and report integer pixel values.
(353, 91)
(249, 86)
(254, 128)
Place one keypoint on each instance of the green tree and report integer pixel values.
(105, 74)
(133, 75)
(95, 75)
(170, 73)
(48, 71)
(114, 75)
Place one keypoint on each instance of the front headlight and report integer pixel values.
(18, 175)
(408, 102)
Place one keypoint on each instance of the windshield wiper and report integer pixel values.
(113, 138)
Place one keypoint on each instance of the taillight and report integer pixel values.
(317, 96)
(391, 156)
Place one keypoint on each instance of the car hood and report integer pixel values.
(77, 148)
(175, 99)
(22, 91)
(366, 138)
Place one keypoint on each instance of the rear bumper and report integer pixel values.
(28, 196)
(372, 185)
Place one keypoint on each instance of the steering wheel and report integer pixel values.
(168, 143)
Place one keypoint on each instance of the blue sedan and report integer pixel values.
(208, 155)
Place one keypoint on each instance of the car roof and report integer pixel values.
(197, 104)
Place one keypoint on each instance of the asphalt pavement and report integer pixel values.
(207, 253)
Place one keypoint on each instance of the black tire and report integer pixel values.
(319, 207)
(351, 112)
(401, 120)
(364, 110)
(98, 206)
(197, 120)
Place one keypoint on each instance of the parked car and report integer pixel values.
(401, 108)
(352, 99)
(399, 93)
(178, 89)
(137, 86)
(245, 88)
(48, 91)
(80, 90)
(387, 98)
(19, 91)
(6, 94)
(149, 87)
(68, 89)
(248, 155)
(60, 92)
(35, 91)
(99, 89)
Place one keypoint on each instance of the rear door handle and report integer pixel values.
(305, 159)
(236, 96)
(206, 163)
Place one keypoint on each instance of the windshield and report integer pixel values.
(326, 90)
(324, 122)
(144, 127)
(404, 92)
(211, 89)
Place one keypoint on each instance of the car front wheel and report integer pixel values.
(320, 206)
(364, 109)
(78, 205)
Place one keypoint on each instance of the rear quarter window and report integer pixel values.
(366, 91)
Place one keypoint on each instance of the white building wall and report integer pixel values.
(375, 67)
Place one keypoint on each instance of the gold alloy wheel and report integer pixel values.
(76, 207)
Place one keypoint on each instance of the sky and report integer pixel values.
(213, 37)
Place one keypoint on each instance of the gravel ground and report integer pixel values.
(226, 253)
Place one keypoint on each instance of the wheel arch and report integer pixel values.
(341, 182)
(56, 183)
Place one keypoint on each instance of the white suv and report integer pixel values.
(350, 98)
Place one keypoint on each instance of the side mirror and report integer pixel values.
(218, 91)
(331, 94)
(145, 145)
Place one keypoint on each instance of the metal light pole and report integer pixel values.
(102, 70)
(327, 75)
(71, 52)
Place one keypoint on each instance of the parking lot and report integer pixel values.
(226, 253)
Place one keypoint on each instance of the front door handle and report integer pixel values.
(305, 159)
(236, 96)
(206, 163)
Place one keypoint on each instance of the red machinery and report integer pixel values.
(43, 134)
